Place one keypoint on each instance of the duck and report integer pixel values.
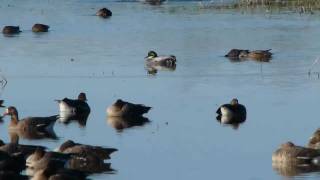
(14, 162)
(234, 53)
(75, 105)
(13, 148)
(289, 153)
(233, 112)
(152, 59)
(11, 30)
(1, 104)
(154, 2)
(262, 55)
(40, 28)
(70, 147)
(54, 171)
(104, 13)
(119, 123)
(125, 109)
(39, 124)
(314, 141)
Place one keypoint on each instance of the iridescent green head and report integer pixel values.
(152, 54)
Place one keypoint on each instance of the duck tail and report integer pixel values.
(268, 50)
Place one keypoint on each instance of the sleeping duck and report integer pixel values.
(260, 55)
(104, 13)
(75, 105)
(233, 112)
(152, 59)
(40, 28)
(125, 109)
(11, 30)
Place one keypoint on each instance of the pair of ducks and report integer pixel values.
(260, 55)
(16, 29)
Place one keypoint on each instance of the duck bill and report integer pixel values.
(6, 113)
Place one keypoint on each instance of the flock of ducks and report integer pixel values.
(70, 160)
(76, 161)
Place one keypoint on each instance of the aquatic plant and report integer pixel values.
(299, 6)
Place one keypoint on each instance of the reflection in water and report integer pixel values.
(288, 169)
(68, 117)
(230, 121)
(120, 123)
(152, 69)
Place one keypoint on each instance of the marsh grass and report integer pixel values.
(298, 6)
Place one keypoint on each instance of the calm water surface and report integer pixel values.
(281, 99)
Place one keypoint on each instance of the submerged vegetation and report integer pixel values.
(299, 6)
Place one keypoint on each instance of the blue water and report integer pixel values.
(183, 140)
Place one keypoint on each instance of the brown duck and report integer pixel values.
(40, 28)
(11, 30)
(29, 123)
(104, 13)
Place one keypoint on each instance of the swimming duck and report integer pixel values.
(153, 59)
(11, 30)
(75, 105)
(234, 53)
(289, 152)
(40, 28)
(125, 109)
(104, 13)
(314, 141)
(29, 123)
(70, 147)
(262, 55)
(233, 112)
(120, 123)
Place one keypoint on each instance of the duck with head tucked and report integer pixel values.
(125, 109)
(290, 153)
(40, 28)
(75, 105)
(232, 113)
(234, 53)
(11, 30)
(152, 59)
(104, 13)
(259, 55)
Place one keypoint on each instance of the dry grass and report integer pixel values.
(299, 6)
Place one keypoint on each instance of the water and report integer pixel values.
(183, 140)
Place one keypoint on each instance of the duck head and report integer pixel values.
(287, 145)
(152, 54)
(234, 101)
(10, 111)
(82, 96)
(119, 103)
(66, 145)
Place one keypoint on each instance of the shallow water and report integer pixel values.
(183, 140)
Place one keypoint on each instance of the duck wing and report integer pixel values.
(135, 109)
(38, 122)
(99, 151)
(228, 106)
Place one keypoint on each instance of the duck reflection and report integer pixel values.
(153, 69)
(120, 123)
(67, 117)
(233, 122)
(289, 170)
